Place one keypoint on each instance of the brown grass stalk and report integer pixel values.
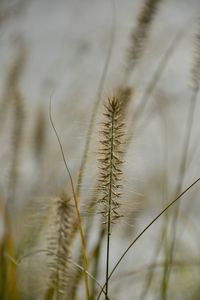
(78, 216)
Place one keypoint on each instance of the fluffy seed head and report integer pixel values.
(140, 34)
(60, 242)
(110, 160)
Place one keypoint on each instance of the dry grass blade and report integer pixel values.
(155, 79)
(146, 228)
(186, 143)
(158, 265)
(17, 134)
(8, 278)
(75, 206)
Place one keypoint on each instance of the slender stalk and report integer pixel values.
(146, 228)
(76, 208)
(181, 176)
(107, 255)
(159, 265)
(97, 102)
(110, 175)
(161, 67)
(109, 208)
(153, 82)
(17, 136)
(96, 254)
(163, 235)
(18, 261)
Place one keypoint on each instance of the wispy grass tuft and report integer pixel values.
(140, 34)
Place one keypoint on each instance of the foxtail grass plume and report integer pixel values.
(60, 243)
(140, 34)
(110, 161)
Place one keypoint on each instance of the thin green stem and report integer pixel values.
(109, 207)
(146, 228)
(182, 169)
(96, 254)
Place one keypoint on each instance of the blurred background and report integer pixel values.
(58, 49)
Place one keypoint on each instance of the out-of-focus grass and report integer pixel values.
(161, 133)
